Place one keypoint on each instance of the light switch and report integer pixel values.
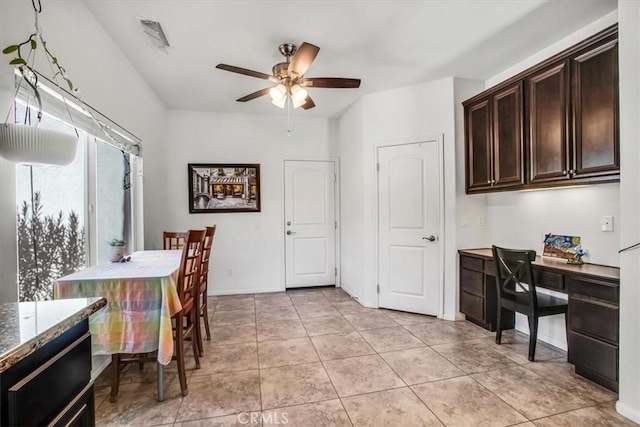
(606, 223)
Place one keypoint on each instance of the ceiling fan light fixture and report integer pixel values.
(278, 93)
(279, 102)
(298, 93)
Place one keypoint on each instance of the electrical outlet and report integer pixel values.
(606, 223)
(229, 271)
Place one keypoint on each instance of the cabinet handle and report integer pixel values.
(572, 172)
(489, 182)
(564, 172)
(493, 181)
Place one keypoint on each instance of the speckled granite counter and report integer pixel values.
(27, 326)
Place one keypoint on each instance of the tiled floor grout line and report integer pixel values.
(588, 402)
(498, 397)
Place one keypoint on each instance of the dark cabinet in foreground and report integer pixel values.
(51, 386)
(592, 319)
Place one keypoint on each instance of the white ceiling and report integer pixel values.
(387, 44)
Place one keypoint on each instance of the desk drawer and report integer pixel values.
(472, 305)
(596, 356)
(549, 280)
(472, 281)
(471, 263)
(599, 289)
(593, 318)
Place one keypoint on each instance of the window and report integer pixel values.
(66, 215)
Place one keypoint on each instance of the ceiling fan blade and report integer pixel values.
(254, 95)
(308, 103)
(331, 82)
(246, 72)
(302, 59)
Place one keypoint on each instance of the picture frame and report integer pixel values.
(224, 187)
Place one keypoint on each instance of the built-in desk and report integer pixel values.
(592, 319)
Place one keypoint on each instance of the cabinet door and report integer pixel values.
(595, 110)
(548, 108)
(478, 145)
(508, 160)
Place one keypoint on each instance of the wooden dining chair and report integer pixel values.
(203, 311)
(517, 292)
(185, 321)
(172, 240)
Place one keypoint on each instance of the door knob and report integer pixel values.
(431, 238)
(289, 232)
(288, 222)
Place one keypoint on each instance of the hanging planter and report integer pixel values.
(36, 145)
(32, 144)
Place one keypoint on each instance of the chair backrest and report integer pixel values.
(172, 240)
(189, 277)
(514, 276)
(206, 255)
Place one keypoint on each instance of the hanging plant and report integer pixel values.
(27, 72)
(31, 144)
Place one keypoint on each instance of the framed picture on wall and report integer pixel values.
(224, 187)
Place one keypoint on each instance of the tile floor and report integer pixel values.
(318, 358)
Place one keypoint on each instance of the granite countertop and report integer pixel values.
(27, 326)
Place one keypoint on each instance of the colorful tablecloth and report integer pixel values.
(142, 297)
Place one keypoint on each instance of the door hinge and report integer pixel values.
(335, 271)
(378, 288)
(335, 225)
(335, 177)
(378, 167)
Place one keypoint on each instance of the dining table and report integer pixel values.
(142, 297)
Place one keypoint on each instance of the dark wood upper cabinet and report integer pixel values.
(508, 162)
(548, 123)
(595, 110)
(478, 137)
(555, 124)
(494, 144)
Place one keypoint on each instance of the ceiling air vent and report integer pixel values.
(154, 32)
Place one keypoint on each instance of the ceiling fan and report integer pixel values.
(289, 78)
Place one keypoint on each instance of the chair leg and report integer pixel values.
(180, 355)
(533, 336)
(205, 314)
(198, 334)
(196, 342)
(115, 377)
(499, 326)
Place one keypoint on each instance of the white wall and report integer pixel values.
(108, 82)
(629, 57)
(408, 114)
(352, 204)
(520, 219)
(252, 244)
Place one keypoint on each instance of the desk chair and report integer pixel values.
(517, 292)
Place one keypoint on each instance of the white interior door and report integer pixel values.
(409, 215)
(310, 227)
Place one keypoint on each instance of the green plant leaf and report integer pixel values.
(33, 44)
(17, 61)
(10, 49)
(69, 84)
(54, 60)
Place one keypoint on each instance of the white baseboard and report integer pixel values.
(627, 412)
